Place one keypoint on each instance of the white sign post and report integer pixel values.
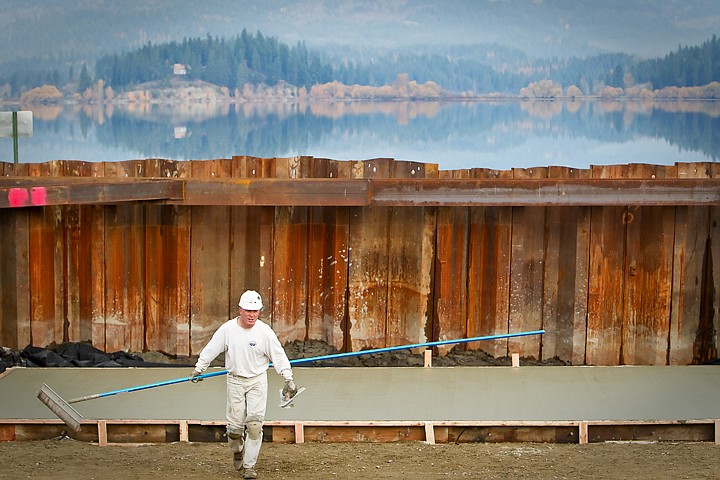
(16, 124)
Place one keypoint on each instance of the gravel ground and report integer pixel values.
(69, 459)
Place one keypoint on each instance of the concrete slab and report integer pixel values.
(388, 394)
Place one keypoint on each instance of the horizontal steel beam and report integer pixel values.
(277, 192)
(545, 192)
(451, 192)
(45, 191)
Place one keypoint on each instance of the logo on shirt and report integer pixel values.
(253, 343)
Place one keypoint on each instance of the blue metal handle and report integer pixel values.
(315, 359)
(415, 345)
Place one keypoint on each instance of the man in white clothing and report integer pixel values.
(249, 345)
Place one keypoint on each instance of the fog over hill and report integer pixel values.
(540, 28)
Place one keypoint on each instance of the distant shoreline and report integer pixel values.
(486, 99)
(198, 92)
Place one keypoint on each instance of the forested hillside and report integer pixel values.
(231, 63)
(686, 67)
(258, 59)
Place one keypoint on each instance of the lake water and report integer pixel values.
(455, 135)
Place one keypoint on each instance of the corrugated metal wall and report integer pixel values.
(610, 285)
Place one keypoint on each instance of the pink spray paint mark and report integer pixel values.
(17, 197)
(37, 195)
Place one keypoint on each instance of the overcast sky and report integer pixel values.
(539, 27)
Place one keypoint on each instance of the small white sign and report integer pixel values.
(24, 124)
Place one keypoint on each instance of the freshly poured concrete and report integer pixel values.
(388, 394)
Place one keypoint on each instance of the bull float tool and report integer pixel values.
(72, 418)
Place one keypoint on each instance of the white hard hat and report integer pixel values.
(250, 300)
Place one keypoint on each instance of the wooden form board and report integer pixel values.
(526, 278)
(310, 273)
(91, 267)
(328, 261)
(367, 272)
(47, 270)
(209, 262)
(107, 432)
(79, 264)
(605, 286)
(488, 275)
(167, 277)
(648, 277)
(167, 272)
(488, 271)
(15, 319)
(14, 279)
(648, 286)
(252, 236)
(124, 269)
(566, 283)
(527, 259)
(451, 275)
(565, 280)
(691, 234)
(290, 273)
(252, 254)
(712, 309)
(303, 284)
(694, 237)
(709, 327)
(390, 278)
(411, 250)
(367, 277)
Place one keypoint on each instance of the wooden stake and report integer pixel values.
(299, 432)
(102, 433)
(583, 433)
(184, 431)
(428, 358)
(429, 433)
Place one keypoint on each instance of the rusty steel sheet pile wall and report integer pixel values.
(609, 284)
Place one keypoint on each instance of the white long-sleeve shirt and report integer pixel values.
(248, 352)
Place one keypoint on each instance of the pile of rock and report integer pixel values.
(69, 354)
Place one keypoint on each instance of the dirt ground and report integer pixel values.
(65, 458)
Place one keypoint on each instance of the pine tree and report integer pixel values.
(85, 81)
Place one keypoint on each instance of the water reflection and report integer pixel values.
(455, 135)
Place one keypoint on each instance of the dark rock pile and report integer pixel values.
(83, 354)
(71, 355)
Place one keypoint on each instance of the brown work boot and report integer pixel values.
(249, 473)
(238, 460)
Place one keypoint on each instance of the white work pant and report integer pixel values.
(246, 401)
